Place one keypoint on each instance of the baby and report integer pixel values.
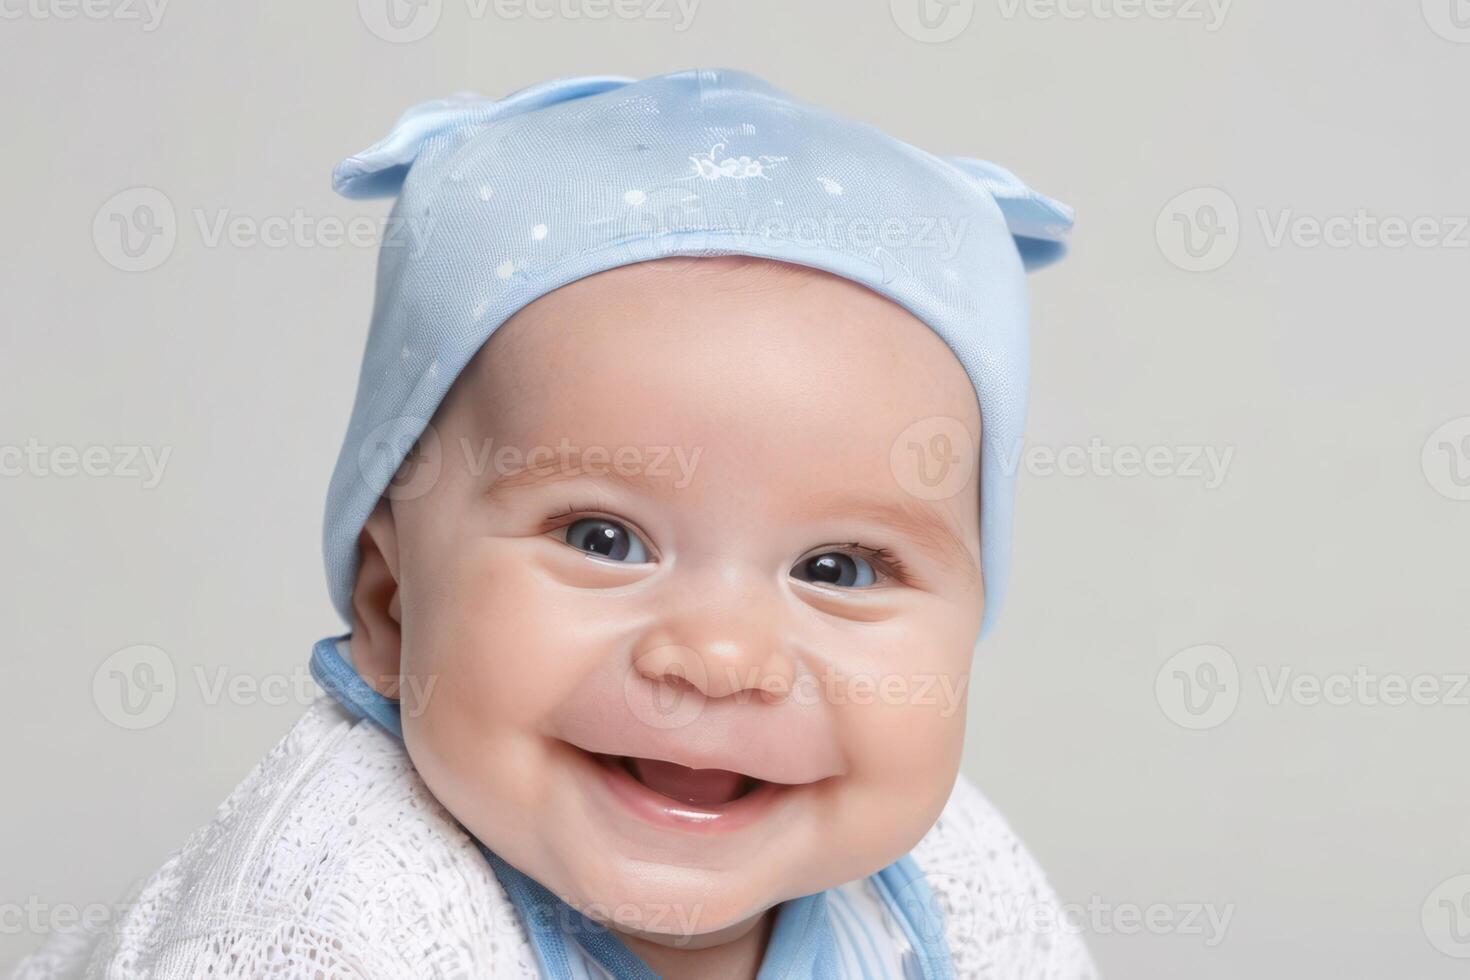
(672, 505)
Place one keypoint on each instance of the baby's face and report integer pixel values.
(702, 651)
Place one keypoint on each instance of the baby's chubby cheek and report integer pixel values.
(901, 718)
(495, 653)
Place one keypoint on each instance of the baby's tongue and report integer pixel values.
(697, 787)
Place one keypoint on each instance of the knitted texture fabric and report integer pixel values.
(332, 859)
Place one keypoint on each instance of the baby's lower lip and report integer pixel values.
(671, 796)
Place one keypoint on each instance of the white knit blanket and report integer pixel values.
(332, 859)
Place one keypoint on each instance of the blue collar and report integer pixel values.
(802, 943)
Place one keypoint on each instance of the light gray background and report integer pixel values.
(1333, 543)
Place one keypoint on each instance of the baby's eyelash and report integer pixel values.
(885, 559)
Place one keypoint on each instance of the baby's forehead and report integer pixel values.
(723, 337)
(698, 278)
(691, 305)
(747, 390)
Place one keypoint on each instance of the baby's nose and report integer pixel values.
(720, 669)
(722, 649)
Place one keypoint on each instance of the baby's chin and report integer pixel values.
(680, 889)
(681, 907)
(695, 898)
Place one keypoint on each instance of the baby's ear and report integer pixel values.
(1039, 224)
(379, 170)
(376, 614)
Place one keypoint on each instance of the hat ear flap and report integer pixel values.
(1039, 224)
(379, 170)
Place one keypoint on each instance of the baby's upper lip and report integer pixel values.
(777, 743)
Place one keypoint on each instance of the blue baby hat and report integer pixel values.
(501, 201)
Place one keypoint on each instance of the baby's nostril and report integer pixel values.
(680, 683)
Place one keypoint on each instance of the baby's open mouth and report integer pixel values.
(671, 796)
(703, 788)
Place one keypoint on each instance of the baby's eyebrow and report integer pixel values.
(548, 473)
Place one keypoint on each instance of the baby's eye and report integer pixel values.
(836, 568)
(606, 539)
